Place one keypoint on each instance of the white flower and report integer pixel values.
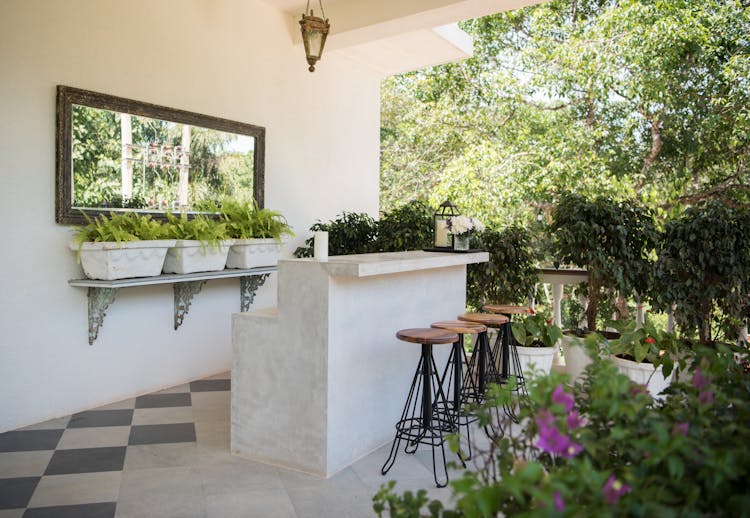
(464, 225)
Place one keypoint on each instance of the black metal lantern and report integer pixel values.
(314, 32)
(443, 238)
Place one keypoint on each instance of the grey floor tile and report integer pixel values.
(86, 460)
(213, 434)
(125, 404)
(29, 440)
(162, 433)
(84, 488)
(24, 463)
(211, 400)
(168, 415)
(237, 475)
(97, 510)
(162, 400)
(251, 504)
(150, 456)
(329, 501)
(12, 513)
(16, 492)
(185, 387)
(211, 385)
(96, 437)
(52, 424)
(159, 493)
(97, 418)
(405, 466)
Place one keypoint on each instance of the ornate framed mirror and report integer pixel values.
(116, 154)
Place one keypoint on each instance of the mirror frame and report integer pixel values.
(67, 96)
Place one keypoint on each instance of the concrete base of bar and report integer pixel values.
(320, 382)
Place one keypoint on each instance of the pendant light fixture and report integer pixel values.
(314, 32)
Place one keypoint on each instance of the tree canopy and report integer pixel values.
(646, 99)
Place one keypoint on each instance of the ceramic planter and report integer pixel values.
(576, 359)
(643, 374)
(110, 260)
(188, 256)
(254, 253)
(539, 357)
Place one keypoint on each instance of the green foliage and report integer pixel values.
(613, 240)
(509, 276)
(536, 331)
(119, 227)
(245, 220)
(348, 233)
(407, 227)
(199, 228)
(646, 344)
(630, 99)
(604, 447)
(704, 266)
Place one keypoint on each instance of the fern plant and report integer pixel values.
(200, 228)
(119, 227)
(245, 220)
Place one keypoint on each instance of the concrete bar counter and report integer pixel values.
(321, 380)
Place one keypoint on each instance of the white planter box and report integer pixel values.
(110, 260)
(188, 256)
(576, 359)
(643, 374)
(538, 357)
(254, 253)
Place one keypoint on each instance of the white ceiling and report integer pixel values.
(395, 36)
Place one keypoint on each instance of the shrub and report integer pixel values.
(348, 233)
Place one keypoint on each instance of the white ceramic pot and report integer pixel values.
(540, 358)
(254, 253)
(189, 256)
(110, 260)
(643, 374)
(576, 359)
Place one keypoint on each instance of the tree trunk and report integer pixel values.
(593, 307)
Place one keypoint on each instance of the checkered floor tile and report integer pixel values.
(74, 466)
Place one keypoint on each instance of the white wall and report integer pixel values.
(226, 58)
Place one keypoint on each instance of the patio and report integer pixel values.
(167, 454)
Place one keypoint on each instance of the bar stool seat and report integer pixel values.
(487, 319)
(424, 419)
(508, 309)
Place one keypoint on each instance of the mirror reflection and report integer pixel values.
(116, 154)
(123, 160)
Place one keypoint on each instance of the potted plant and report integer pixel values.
(612, 240)
(463, 228)
(703, 267)
(535, 341)
(202, 244)
(121, 245)
(645, 354)
(256, 232)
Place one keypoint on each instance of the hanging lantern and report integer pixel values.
(443, 239)
(314, 32)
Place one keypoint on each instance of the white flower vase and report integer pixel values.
(576, 359)
(190, 256)
(535, 360)
(111, 261)
(254, 253)
(643, 374)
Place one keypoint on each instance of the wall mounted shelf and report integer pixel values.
(102, 293)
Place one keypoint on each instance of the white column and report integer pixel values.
(743, 334)
(557, 295)
(583, 300)
(670, 320)
(184, 168)
(126, 166)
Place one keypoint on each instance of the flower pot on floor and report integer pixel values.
(111, 260)
(189, 256)
(576, 359)
(254, 253)
(535, 359)
(643, 374)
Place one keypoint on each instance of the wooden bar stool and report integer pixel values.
(484, 360)
(421, 421)
(457, 377)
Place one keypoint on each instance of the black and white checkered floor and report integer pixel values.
(167, 454)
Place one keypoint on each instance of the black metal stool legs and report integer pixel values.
(510, 366)
(421, 422)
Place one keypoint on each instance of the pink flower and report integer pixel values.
(637, 388)
(561, 397)
(699, 381)
(575, 420)
(650, 340)
(551, 440)
(680, 428)
(559, 502)
(613, 489)
(706, 397)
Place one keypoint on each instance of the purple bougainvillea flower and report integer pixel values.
(699, 380)
(559, 502)
(706, 397)
(544, 418)
(551, 440)
(638, 388)
(572, 450)
(575, 420)
(561, 397)
(680, 428)
(613, 489)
